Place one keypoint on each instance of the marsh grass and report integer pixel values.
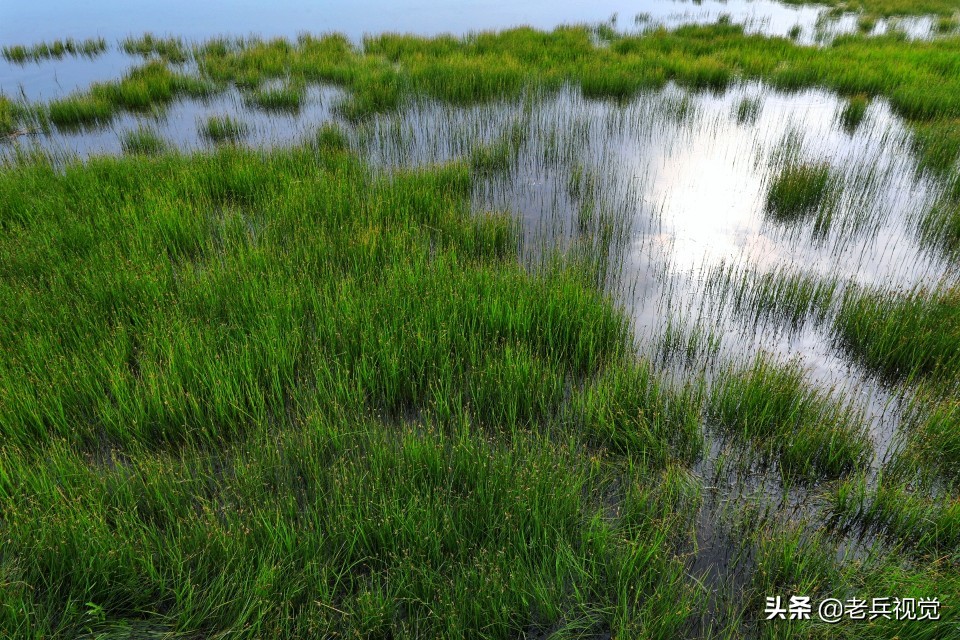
(940, 226)
(143, 141)
(783, 295)
(853, 113)
(147, 88)
(748, 110)
(295, 396)
(224, 128)
(287, 97)
(799, 190)
(89, 48)
(8, 116)
(146, 46)
(902, 335)
(946, 24)
(888, 8)
(810, 433)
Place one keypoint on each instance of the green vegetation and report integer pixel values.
(854, 112)
(143, 141)
(295, 398)
(802, 189)
(921, 79)
(748, 110)
(287, 97)
(946, 24)
(144, 88)
(889, 7)
(224, 129)
(8, 116)
(289, 393)
(90, 48)
(808, 432)
(147, 45)
(903, 336)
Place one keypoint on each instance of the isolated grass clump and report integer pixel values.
(940, 226)
(287, 97)
(224, 129)
(771, 406)
(89, 48)
(299, 397)
(169, 49)
(853, 113)
(801, 189)
(78, 111)
(748, 110)
(143, 141)
(902, 335)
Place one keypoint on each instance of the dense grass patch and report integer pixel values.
(902, 335)
(810, 433)
(801, 189)
(143, 141)
(286, 97)
(224, 129)
(274, 394)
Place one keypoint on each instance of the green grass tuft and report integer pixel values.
(143, 141)
(289, 97)
(169, 49)
(853, 113)
(224, 129)
(811, 434)
(799, 190)
(89, 48)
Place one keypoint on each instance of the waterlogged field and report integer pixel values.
(527, 334)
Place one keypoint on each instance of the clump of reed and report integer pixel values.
(800, 189)
(808, 432)
(224, 128)
(143, 141)
(902, 335)
(148, 45)
(287, 97)
(144, 88)
(89, 48)
(853, 113)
